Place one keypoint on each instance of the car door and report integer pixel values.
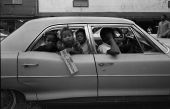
(132, 74)
(48, 74)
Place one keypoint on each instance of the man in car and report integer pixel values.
(126, 44)
(109, 46)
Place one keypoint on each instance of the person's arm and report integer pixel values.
(114, 47)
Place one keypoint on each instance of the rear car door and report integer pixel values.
(48, 74)
(144, 71)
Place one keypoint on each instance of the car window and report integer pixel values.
(123, 36)
(51, 40)
(146, 45)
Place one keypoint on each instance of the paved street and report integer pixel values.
(111, 106)
(101, 106)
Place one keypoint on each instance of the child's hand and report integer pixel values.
(60, 46)
(77, 44)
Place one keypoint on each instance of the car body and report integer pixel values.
(45, 76)
(163, 40)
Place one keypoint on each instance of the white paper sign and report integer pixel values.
(69, 61)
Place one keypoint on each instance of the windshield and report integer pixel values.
(162, 46)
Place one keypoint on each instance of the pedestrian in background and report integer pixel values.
(149, 30)
(163, 28)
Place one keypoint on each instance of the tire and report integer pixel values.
(12, 100)
(8, 99)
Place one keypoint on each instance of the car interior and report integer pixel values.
(127, 40)
(56, 31)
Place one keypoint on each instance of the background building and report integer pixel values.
(13, 13)
(144, 12)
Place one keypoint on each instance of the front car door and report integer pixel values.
(141, 70)
(48, 74)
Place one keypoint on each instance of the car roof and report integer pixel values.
(82, 19)
(26, 34)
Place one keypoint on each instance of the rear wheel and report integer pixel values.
(12, 100)
(8, 99)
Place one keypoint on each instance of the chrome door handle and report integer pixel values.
(101, 64)
(30, 65)
(105, 64)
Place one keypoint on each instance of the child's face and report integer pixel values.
(50, 41)
(67, 37)
(80, 37)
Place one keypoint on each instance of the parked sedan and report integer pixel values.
(140, 70)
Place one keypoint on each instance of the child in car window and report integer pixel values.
(109, 46)
(49, 44)
(81, 38)
(72, 46)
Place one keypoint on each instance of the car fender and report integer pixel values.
(9, 73)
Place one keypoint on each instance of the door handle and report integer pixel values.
(105, 64)
(30, 65)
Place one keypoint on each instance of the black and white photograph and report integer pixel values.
(85, 54)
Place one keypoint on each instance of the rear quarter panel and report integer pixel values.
(8, 70)
(9, 75)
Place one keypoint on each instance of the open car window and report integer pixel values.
(41, 42)
(127, 38)
(123, 36)
(146, 45)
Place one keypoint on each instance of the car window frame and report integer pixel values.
(132, 26)
(145, 36)
(111, 25)
(163, 48)
(143, 51)
(87, 34)
(34, 42)
(31, 46)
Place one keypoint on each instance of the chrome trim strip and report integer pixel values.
(167, 50)
(8, 77)
(63, 76)
(155, 75)
(152, 75)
